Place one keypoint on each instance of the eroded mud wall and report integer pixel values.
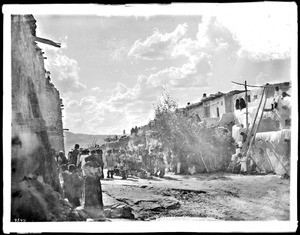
(36, 121)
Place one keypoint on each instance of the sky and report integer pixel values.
(113, 64)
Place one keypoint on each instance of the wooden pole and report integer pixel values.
(269, 161)
(246, 99)
(279, 161)
(204, 162)
(254, 121)
(261, 115)
(253, 138)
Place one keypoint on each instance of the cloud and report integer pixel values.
(91, 115)
(94, 116)
(265, 35)
(158, 46)
(120, 53)
(121, 91)
(212, 40)
(216, 53)
(97, 89)
(216, 37)
(64, 70)
(194, 73)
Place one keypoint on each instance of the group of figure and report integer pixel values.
(80, 176)
(280, 97)
(134, 130)
(140, 162)
(240, 163)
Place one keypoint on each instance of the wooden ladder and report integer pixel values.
(252, 132)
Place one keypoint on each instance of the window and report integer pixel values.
(255, 97)
(218, 114)
(221, 102)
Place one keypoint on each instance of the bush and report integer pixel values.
(210, 145)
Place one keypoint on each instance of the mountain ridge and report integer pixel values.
(84, 140)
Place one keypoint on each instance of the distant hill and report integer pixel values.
(84, 140)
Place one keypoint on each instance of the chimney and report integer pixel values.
(204, 95)
(188, 103)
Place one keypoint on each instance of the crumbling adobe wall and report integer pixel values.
(36, 125)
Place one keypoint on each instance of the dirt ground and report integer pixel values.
(215, 196)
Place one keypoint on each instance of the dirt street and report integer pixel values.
(216, 196)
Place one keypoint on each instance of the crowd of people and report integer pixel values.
(82, 169)
(122, 162)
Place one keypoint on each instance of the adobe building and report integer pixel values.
(271, 148)
(36, 127)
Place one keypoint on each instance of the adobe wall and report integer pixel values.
(200, 110)
(217, 103)
(37, 130)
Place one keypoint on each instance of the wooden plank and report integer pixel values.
(46, 41)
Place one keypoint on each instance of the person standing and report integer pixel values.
(99, 156)
(169, 161)
(243, 162)
(110, 160)
(152, 161)
(73, 185)
(161, 165)
(178, 165)
(74, 155)
(81, 159)
(277, 95)
(191, 163)
(61, 159)
(243, 137)
(285, 101)
(92, 186)
(123, 167)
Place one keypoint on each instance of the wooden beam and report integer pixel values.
(256, 129)
(267, 85)
(247, 85)
(246, 99)
(46, 41)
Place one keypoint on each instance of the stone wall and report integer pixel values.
(37, 132)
